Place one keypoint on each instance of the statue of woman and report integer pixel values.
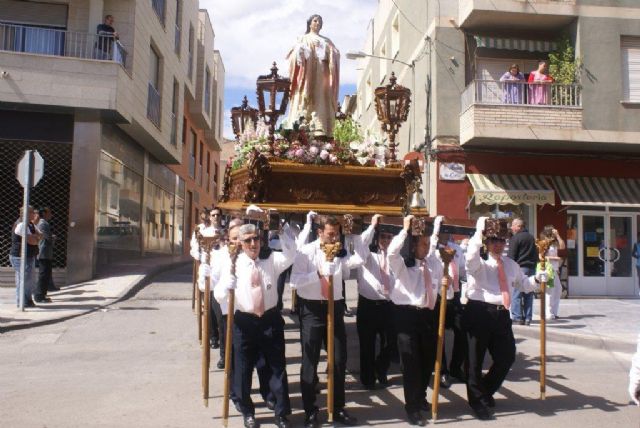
(314, 70)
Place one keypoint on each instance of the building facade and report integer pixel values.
(566, 153)
(108, 117)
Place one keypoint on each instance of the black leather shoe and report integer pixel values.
(416, 418)
(458, 374)
(482, 412)
(344, 418)
(215, 343)
(349, 313)
(271, 404)
(445, 382)
(282, 422)
(311, 420)
(250, 421)
(425, 406)
(384, 381)
(491, 402)
(521, 322)
(220, 364)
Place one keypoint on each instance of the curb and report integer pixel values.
(584, 340)
(128, 293)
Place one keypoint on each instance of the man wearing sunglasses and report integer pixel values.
(491, 285)
(375, 281)
(309, 277)
(258, 325)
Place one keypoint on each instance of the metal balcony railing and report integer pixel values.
(492, 92)
(153, 105)
(61, 43)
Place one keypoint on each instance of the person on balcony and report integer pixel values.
(107, 36)
(540, 85)
(513, 86)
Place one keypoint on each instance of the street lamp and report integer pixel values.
(274, 104)
(241, 115)
(361, 55)
(392, 105)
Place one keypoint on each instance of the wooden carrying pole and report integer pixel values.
(446, 254)
(543, 247)
(233, 254)
(206, 350)
(195, 285)
(330, 251)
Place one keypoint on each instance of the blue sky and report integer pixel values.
(251, 34)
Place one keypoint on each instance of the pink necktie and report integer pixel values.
(384, 273)
(504, 286)
(456, 276)
(257, 296)
(428, 285)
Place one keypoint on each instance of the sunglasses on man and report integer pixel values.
(251, 239)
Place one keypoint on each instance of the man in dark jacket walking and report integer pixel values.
(523, 250)
(45, 257)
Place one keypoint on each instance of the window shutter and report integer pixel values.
(631, 68)
(33, 13)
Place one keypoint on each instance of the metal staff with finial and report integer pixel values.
(195, 285)
(446, 254)
(234, 250)
(543, 246)
(330, 251)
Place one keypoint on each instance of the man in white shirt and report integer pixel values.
(634, 376)
(309, 277)
(454, 315)
(375, 280)
(414, 297)
(258, 325)
(486, 319)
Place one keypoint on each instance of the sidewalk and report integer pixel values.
(113, 283)
(612, 324)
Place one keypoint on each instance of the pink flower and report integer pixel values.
(333, 158)
(313, 150)
(299, 153)
(324, 155)
(328, 146)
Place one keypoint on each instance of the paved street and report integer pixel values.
(137, 364)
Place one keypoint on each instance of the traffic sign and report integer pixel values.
(22, 173)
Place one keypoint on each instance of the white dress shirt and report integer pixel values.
(482, 275)
(269, 268)
(304, 275)
(458, 258)
(634, 375)
(370, 284)
(409, 287)
(206, 231)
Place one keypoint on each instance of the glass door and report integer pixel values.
(618, 255)
(593, 255)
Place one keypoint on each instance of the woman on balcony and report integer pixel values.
(513, 85)
(540, 85)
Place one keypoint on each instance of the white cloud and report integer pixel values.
(251, 34)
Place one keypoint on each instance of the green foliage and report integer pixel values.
(564, 66)
(346, 131)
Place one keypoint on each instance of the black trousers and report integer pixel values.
(453, 321)
(313, 331)
(374, 321)
(216, 319)
(45, 277)
(417, 347)
(282, 279)
(254, 335)
(488, 329)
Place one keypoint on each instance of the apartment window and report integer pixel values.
(178, 35)
(154, 99)
(381, 62)
(219, 118)
(190, 59)
(630, 47)
(159, 7)
(216, 172)
(208, 177)
(192, 154)
(395, 36)
(174, 112)
(184, 131)
(201, 161)
(367, 92)
(207, 91)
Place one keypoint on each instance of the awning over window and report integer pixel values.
(599, 191)
(511, 189)
(515, 44)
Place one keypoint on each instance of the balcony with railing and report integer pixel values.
(153, 105)
(493, 110)
(510, 14)
(61, 43)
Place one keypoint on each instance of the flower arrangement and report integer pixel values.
(296, 142)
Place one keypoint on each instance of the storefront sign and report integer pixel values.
(452, 171)
(514, 198)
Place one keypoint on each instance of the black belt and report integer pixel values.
(317, 302)
(487, 305)
(414, 308)
(377, 302)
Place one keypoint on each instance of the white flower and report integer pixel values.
(324, 155)
(363, 160)
(354, 145)
(328, 146)
(380, 163)
(313, 150)
(333, 158)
